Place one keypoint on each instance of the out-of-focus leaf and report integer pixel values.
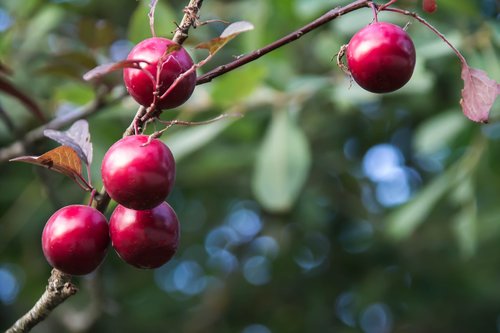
(438, 132)
(77, 137)
(479, 93)
(232, 30)
(189, 140)
(70, 64)
(108, 68)
(75, 93)
(10, 89)
(96, 34)
(282, 164)
(230, 89)
(465, 230)
(62, 159)
(40, 25)
(466, 220)
(139, 28)
(403, 221)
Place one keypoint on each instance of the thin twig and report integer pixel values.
(432, 28)
(58, 290)
(329, 16)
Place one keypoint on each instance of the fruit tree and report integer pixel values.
(249, 166)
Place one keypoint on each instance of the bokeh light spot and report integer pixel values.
(257, 270)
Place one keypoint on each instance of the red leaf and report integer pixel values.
(479, 93)
(108, 68)
(8, 88)
(62, 159)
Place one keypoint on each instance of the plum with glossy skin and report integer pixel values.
(381, 57)
(138, 175)
(141, 86)
(75, 239)
(145, 238)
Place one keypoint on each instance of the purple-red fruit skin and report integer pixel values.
(137, 174)
(141, 86)
(145, 238)
(75, 239)
(381, 57)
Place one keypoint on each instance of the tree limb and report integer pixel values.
(58, 290)
(189, 20)
(327, 17)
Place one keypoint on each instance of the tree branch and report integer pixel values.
(329, 16)
(189, 20)
(58, 290)
(19, 147)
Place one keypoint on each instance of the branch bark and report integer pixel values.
(58, 290)
(327, 17)
(189, 20)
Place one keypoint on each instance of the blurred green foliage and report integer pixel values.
(324, 209)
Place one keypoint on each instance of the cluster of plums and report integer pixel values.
(138, 173)
(143, 228)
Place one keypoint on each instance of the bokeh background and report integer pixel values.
(324, 209)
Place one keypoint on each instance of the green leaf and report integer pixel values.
(403, 221)
(96, 34)
(188, 140)
(282, 164)
(40, 25)
(228, 90)
(75, 93)
(466, 220)
(139, 23)
(439, 132)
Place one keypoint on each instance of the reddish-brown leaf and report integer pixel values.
(232, 30)
(108, 68)
(479, 93)
(10, 89)
(62, 159)
(76, 137)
